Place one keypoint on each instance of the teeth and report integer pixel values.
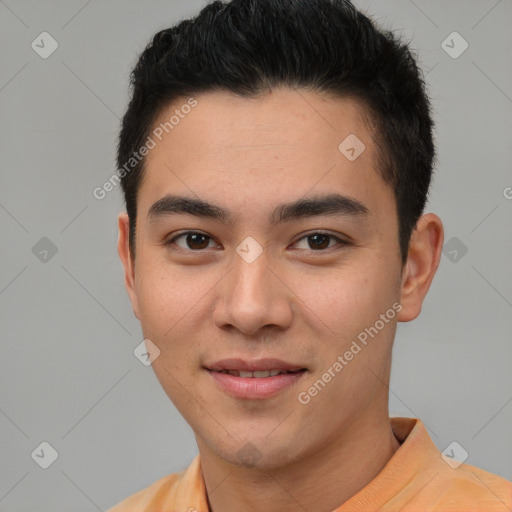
(258, 374)
(262, 373)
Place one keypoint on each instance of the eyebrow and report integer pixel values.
(330, 205)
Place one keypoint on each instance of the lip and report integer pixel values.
(254, 365)
(254, 387)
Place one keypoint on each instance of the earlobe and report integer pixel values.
(123, 249)
(422, 262)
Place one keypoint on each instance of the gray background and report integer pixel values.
(68, 373)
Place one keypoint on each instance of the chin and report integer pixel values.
(259, 454)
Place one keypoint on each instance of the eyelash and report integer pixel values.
(322, 233)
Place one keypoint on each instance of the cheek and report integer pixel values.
(174, 305)
(343, 299)
(341, 312)
(166, 294)
(161, 305)
(169, 303)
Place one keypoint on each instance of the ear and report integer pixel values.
(123, 248)
(422, 261)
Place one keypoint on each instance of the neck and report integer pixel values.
(322, 481)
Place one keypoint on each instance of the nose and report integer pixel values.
(252, 296)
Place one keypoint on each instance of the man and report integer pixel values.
(275, 159)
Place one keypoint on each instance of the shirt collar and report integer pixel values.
(416, 446)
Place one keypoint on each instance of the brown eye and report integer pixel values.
(320, 241)
(194, 241)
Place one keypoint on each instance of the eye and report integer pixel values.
(319, 241)
(193, 240)
(196, 241)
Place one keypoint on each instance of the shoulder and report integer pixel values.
(419, 477)
(470, 488)
(149, 497)
(171, 492)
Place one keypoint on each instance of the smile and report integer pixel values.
(255, 385)
(257, 374)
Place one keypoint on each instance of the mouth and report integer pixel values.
(258, 374)
(256, 379)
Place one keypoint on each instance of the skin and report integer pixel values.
(294, 302)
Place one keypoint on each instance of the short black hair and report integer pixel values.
(249, 46)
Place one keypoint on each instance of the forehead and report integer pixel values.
(283, 116)
(282, 144)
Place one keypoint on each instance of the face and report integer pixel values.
(257, 281)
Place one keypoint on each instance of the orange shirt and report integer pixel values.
(415, 479)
